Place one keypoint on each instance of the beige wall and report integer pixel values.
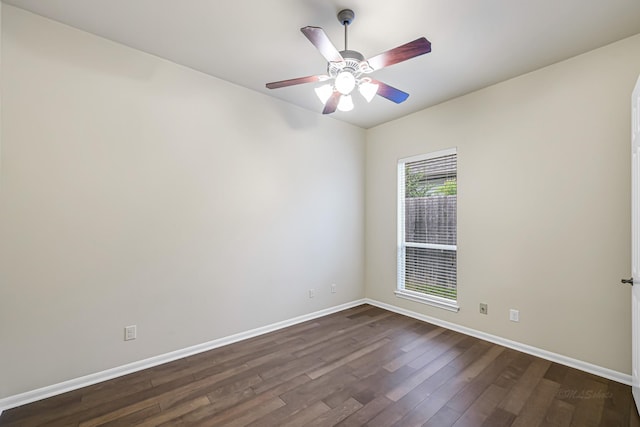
(543, 204)
(137, 191)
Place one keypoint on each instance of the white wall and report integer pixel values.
(136, 191)
(543, 204)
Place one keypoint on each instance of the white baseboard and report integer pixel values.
(87, 380)
(74, 384)
(534, 351)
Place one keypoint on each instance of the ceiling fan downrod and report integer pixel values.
(346, 17)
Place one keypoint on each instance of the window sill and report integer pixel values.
(443, 303)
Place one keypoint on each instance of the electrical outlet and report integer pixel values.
(333, 288)
(514, 315)
(311, 293)
(130, 333)
(484, 308)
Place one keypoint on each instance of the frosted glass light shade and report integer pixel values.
(346, 103)
(324, 93)
(345, 82)
(368, 90)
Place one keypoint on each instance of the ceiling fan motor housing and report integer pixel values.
(354, 63)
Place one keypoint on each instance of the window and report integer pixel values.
(427, 224)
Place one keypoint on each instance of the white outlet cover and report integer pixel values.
(130, 333)
(514, 315)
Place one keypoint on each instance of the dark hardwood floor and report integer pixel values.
(363, 366)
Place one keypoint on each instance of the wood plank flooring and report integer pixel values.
(362, 366)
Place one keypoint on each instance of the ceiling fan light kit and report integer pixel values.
(345, 103)
(345, 69)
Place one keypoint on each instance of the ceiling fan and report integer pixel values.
(347, 69)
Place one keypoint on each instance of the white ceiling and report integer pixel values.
(475, 43)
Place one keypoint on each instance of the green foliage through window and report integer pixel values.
(417, 185)
(449, 188)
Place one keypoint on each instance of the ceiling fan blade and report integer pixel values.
(320, 40)
(390, 92)
(401, 53)
(332, 103)
(298, 81)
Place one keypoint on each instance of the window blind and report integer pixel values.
(427, 232)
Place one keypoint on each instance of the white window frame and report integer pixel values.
(432, 300)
